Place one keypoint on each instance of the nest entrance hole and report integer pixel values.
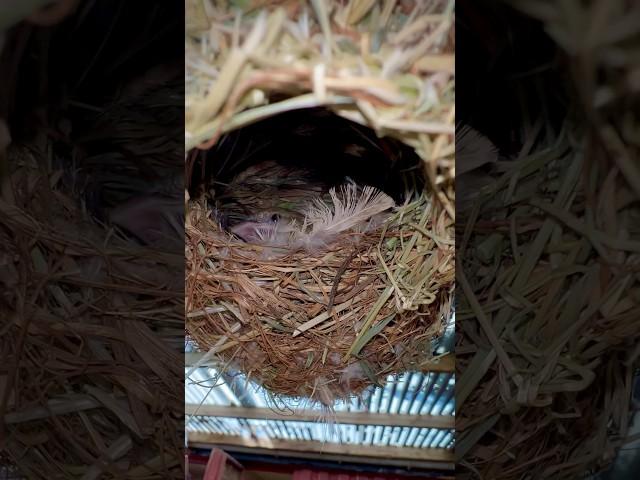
(330, 149)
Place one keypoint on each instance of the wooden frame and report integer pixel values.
(350, 418)
(436, 458)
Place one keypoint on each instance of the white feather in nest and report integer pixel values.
(354, 209)
(473, 150)
(475, 153)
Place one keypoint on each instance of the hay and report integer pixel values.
(330, 324)
(548, 319)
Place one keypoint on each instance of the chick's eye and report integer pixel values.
(275, 217)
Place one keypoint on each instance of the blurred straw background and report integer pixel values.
(548, 319)
(91, 320)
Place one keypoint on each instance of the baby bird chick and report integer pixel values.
(260, 228)
(355, 209)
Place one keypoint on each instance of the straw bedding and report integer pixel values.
(327, 323)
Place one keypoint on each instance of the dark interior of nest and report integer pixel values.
(511, 84)
(271, 172)
(273, 169)
(107, 104)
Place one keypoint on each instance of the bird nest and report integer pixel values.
(323, 319)
(328, 324)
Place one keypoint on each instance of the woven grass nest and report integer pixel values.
(324, 322)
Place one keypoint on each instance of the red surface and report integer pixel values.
(303, 474)
(319, 475)
(218, 461)
(215, 466)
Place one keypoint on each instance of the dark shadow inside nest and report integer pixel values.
(511, 94)
(277, 166)
(109, 107)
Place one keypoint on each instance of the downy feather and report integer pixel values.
(351, 209)
(473, 150)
